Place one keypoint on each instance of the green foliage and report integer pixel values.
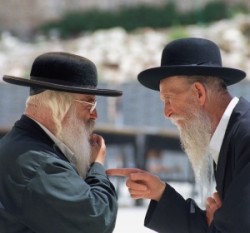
(214, 11)
(74, 23)
(144, 16)
(238, 9)
(178, 32)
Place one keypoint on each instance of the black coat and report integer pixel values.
(40, 191)
(173, 214)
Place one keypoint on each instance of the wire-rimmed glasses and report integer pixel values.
(92, 104)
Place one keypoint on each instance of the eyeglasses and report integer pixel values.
(92, 104)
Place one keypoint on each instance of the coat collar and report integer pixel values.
(30, 126)
(218, 136)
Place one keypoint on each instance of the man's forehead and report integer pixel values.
(173, 82)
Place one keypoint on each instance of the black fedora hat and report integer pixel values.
(190, 56)
(62, 72)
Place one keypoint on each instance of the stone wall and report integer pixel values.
(22, 16)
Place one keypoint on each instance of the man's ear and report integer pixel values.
(200, 92)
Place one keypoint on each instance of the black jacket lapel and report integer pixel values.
(226, 153)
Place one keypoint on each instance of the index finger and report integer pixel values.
(122, 171)
(95, 138)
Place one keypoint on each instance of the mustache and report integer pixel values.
(174, 119)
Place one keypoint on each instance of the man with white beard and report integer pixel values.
(52, 176)
(215, 134)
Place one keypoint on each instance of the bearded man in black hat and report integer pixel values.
(52, 177)
(215, 133)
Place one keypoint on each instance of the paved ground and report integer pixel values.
(130, 220)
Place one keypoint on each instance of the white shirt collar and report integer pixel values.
(217, 138)
(63, 148)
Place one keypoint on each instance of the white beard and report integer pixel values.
(75, 134)
(195, 138)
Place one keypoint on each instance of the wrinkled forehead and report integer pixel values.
(172, 83)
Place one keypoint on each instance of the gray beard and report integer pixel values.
(195, 138)
(75, 134)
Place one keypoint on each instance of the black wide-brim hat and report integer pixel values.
(65, 72)
(190, 56)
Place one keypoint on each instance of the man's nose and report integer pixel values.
(167, 110)
(94, 115)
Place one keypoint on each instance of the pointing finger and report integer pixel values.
(122, 171)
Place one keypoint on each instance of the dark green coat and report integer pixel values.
(40, 191)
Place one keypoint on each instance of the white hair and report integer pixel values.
(68, 127)
(57, 102)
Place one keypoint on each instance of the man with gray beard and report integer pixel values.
(52, 176)
(215, 134)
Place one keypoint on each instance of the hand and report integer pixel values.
(98, 149)
(141, 184)
(213, 203)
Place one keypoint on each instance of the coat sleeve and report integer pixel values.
(173, 214)
(51, 197)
